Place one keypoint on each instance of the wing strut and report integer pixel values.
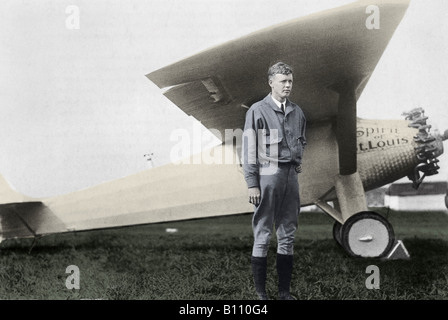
(346, 128)
(348, 184)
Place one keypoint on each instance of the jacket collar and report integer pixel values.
(268, 100)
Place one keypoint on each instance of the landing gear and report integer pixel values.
(366, 234)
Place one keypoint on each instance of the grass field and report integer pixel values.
(210, 259)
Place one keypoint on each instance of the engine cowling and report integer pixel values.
(389, 150)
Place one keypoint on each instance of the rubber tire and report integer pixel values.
(446, 201)
(347, 226)
(337, 229)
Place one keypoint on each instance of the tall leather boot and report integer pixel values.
(284, 270)
(259, 271)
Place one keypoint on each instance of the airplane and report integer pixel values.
(333, 54)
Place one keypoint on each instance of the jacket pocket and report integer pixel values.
(269, 145)
(270, 136)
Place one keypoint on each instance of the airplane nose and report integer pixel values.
(445, 135)
(428, 146)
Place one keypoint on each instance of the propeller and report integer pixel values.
(429, 146)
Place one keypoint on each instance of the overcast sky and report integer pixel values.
(77, 109)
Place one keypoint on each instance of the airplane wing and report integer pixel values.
(325, 50)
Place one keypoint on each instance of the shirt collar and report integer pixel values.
(278, 103)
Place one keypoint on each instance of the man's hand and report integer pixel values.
(254, 195)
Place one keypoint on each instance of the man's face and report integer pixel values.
(281, 86)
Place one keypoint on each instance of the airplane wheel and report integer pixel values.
(337, 228)
(367, 234)
(446, 201)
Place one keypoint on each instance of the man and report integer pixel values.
(273, 143)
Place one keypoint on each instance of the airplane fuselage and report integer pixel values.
(199, 188)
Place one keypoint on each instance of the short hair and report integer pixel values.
(279, 68)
